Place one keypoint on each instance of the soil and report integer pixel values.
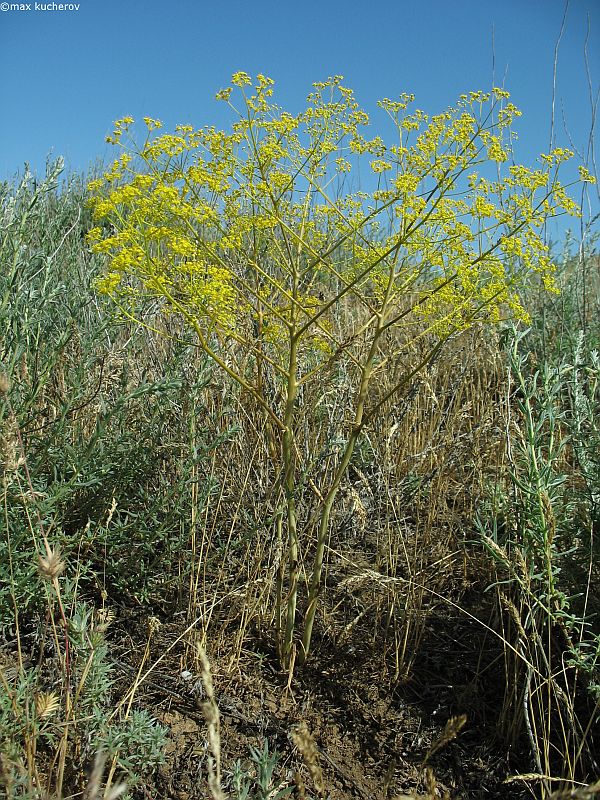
(373, 734)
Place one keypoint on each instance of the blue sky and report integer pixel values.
(67, 74)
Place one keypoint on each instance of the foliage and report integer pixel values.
(252, 239)
(540, 531)
(258, 782)
(55, 718)
(92, 439)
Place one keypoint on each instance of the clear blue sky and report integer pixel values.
(67, 74)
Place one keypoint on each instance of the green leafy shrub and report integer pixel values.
(57, 718)
(94, 417)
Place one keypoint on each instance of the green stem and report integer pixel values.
(289, 464)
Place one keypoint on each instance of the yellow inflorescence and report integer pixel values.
(224, 227)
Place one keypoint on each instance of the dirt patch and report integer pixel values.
(373, 736)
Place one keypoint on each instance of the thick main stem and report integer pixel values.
(289, 463)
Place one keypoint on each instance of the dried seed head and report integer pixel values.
(522, 564)
(450, 732)
(359, 509)
(103, 618)
(4, 383)
(153, 626)
(210, 710)
(305, 743)
(6, 775)
(514, 614)
(46, 703)
(430, 782)
(499, 552)
(11, 457)
(51, 566)
(24, 371)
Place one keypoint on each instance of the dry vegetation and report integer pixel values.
(456, 644)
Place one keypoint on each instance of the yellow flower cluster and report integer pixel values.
(229, 227)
